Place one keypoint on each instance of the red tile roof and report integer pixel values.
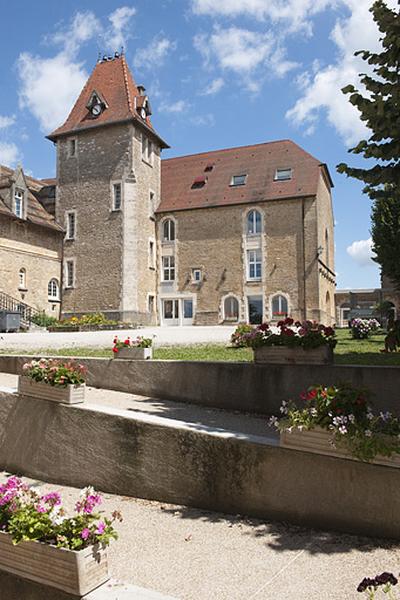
(259, 162)
(112, 81)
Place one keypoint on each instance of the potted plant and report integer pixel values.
(385, 582)
(291, 342)
(52, 379)
(40, 543)
(137, 349)
(339, 421)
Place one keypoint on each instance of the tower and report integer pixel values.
(108, 187)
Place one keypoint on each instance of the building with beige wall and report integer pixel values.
(30, 243)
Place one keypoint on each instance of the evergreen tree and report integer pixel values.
(379, 108)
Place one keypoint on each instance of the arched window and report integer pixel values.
(231, 309)
(253, 222)
(169, 230)
(279, 306)
(22, 279)
(53, 289)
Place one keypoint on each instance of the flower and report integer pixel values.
(100, 527)
(85, 533)
(368, 433)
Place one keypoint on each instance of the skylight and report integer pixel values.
(238, 179)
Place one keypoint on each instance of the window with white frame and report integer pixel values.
(253, 264)
(53, 289)
(196, 275)
(283, 174)
(152, 257)
(279, 306)
(70, 274)
(22, 279)
(19, 203)
(71, 225)
(253, 222)
(168, 268)
(238, 179)
(117, 196)
(169, 230)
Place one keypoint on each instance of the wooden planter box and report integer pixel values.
(75, 572)
(133, 353)
(71, 394)
(293, 356)
(318, 441)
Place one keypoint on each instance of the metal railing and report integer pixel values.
(27, 312)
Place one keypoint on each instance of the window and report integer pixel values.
(150, 152)
(169, 230)
(19, 203)
(283, 174)
(253, 222)
(254, 264)
(150, 304)
(147, 149)
(52, 289)
(188, 309)
(255, 306)
(279, 306)
(117, 196)
(71, 225)
(171, 309)
(70, 274)
(72, 148)
(151, 255)
(22, 279)
(168, 271)
(231, 309)
(152, 204)
(196, 275)
(327, 257)
(238, 180)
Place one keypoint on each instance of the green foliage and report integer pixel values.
(43, 320)
(93, 319)
(238, 339)
(392, 339)
(379, 109)
(345, 413)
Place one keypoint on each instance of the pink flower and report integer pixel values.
(85, 533)
(100, 527)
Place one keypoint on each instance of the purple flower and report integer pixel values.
(41, 508)
(53, 498)
(85, 533)
(101, 527)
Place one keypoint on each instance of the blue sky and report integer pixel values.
(219, 73)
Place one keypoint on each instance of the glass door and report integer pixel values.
(255, 308)
(187, 311)
(170, 312)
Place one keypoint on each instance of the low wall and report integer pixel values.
(170, 461)
(233, 386)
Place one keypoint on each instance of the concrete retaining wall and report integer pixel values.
(155, 458)
(233, 386)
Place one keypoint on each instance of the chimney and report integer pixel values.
(141, 90)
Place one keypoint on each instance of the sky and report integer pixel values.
(219, 73)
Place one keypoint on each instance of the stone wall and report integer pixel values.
(37, 249)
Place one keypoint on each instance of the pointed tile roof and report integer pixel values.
(112, 81)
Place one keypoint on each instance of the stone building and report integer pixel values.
(30, 243)
(242, 234)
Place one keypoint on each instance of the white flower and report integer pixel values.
(352, 418)
(368, 432)
(314, 412)
(342, 430)
(273, 422)
(289, 429)
(370, 416)
(300, 427)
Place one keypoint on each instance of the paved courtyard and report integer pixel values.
(164, 336)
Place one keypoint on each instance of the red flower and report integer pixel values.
(311, 394)
(289, 321)
(115, 350)
(303, 396)
(263, 327)
(127, 342)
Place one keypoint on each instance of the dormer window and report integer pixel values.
(238, 180)
(96, 105)
(209, 168)
(199, 182)
(283, 174)
(19, 203)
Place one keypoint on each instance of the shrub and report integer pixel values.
(55, 372)
(240, 335)
(90, 319)
(43, 320)
(308, 334)
(361, 329)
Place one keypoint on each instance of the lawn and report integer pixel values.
(348, 351)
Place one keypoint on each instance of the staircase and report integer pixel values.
(7, 302)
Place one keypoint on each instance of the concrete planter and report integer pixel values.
(75, 572)
(71, 394)
(293, 356)
(134, 353)
(318, 441)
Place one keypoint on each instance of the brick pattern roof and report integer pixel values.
(36, 213)
(112, 81)
(180, 189)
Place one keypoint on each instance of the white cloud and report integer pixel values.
(203, 120)
(6, 121)
(9, 154)
(50, 86)
(295, 14)
(214, 87)
(179, 106)
(118, 34)
(322, 86)
(361, 252)
(154, 54)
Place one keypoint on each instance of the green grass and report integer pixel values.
(347, 352)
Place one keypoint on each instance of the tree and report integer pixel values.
(379, 108)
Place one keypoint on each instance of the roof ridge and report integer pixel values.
(125, 74)
(233, 148)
